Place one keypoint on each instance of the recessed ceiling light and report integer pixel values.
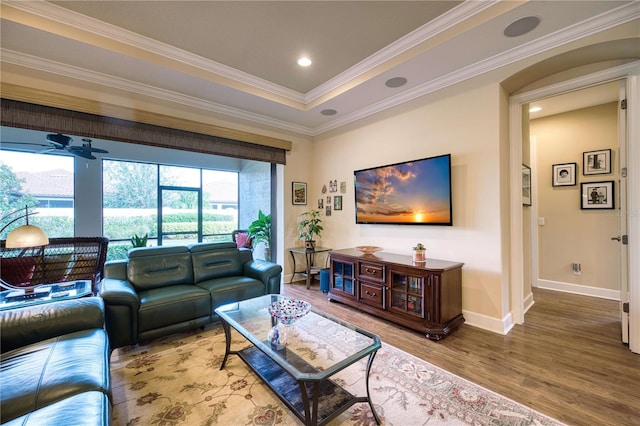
(521, 26)
(304, 61)
(328, 112)
(396, 82)
(535, 109)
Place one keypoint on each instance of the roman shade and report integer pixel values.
(50, 119)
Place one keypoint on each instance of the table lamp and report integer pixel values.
(24, 237)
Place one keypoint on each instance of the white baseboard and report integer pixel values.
(528, 302)
(495, 325)
(583, 290)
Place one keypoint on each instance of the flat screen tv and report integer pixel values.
(410, 193)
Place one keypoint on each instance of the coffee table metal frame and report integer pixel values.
(291, 368)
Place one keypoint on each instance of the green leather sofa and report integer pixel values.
(164, 290)
(54, 367)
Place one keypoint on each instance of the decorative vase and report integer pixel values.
(278, 336)
(310, 244)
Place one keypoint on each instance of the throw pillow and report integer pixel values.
(243, 240)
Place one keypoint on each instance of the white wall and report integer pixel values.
(571, 234)
(466, 125)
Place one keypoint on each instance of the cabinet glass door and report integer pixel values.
(343, 277)
(407, 293)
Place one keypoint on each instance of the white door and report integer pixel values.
(622, 213)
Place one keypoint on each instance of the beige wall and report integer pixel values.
(466, 125)
(569, 233)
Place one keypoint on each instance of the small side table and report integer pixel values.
(310, 268)
(11, 299)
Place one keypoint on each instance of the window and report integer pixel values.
(169, 204)
(44, 183)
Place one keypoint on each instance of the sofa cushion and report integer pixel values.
(87, 408)
(172, 305)
(153, 267)
(231, 289)
(215, 260)
(49, 371)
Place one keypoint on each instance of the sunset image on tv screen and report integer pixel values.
(415, 192)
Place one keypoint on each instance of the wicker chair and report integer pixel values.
(63, 259)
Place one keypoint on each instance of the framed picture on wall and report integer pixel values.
(597, 195)
(526, 185)
(299, 193)
(564, 174)
(337, 202)
(596, 162)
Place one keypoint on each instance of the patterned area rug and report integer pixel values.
(177, 381)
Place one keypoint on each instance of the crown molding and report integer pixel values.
(76, 20)
(442, 23)
(604, 21)
(621, 15)
(94, 77)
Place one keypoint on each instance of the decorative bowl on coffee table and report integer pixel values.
(288, 311)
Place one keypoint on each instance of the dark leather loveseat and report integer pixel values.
(163, 290)
(54, 367)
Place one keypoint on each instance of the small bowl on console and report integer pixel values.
(368, 249)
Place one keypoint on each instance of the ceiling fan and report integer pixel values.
(58, 141)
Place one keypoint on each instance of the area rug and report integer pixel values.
(177, 381)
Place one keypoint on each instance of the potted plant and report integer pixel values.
(309, 224)
(419, 253)
(137, 241)
(260, 232)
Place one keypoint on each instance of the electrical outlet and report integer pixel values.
(577, 268)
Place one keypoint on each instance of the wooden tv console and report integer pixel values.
(424, 297)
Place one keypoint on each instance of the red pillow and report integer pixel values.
(17, 271)
(243, 240)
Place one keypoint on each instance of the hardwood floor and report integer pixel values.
(566, 361)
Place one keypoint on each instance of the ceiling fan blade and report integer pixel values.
(88, 149)
(23, 143)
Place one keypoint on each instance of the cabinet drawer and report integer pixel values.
(371, 294)
(371, 271)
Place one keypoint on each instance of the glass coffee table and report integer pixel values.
(46, 293)
(299, 370)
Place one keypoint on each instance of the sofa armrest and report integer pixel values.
(121, 311)
(116, 269)
(268, 272)
(24, 326)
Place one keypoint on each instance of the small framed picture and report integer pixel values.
(320, 203)
(343, 187)
(597, 195)
(337, 202)
(596, 162)
(299, 193)
(526, 185)
(564, 174)
(328, 210)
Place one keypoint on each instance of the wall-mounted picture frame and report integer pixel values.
(597, 195)
(337, 202)
(320, 203)
(299, 193)
(526, 185)
(564, 174)
(596, 162)
(343, 187)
